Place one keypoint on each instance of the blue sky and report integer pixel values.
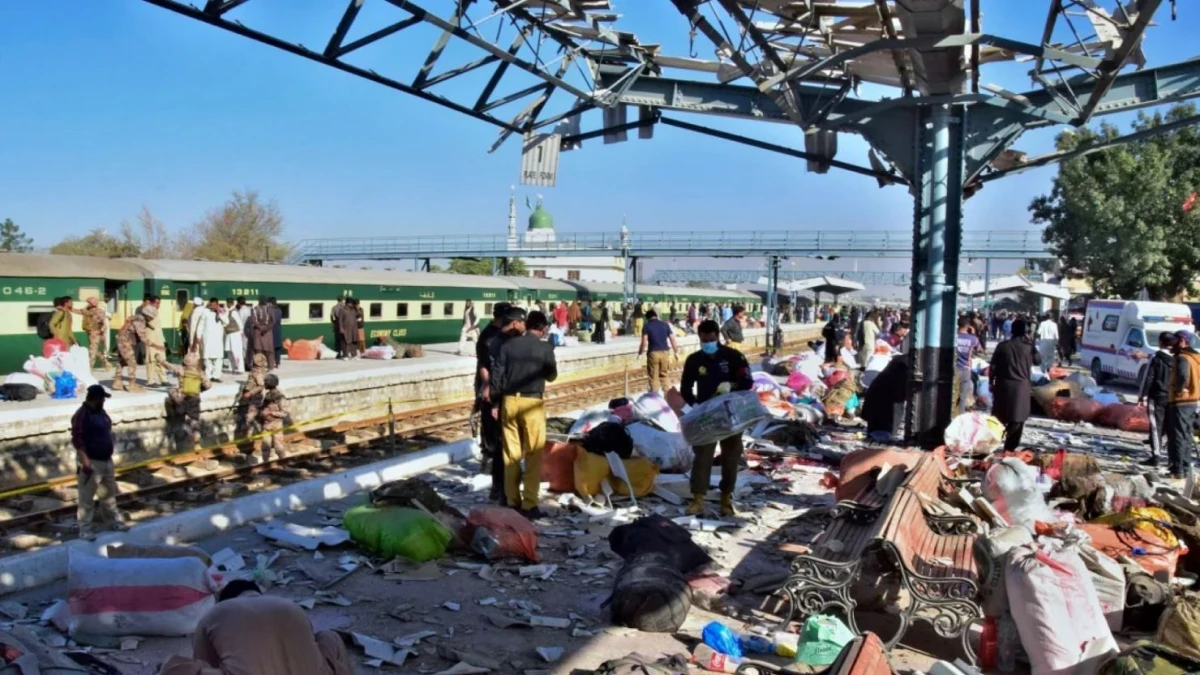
(115, 104)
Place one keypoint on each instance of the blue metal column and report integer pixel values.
(772, 303)
(987, 282)
(937, 242)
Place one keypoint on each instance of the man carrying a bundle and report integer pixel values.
(715, 369)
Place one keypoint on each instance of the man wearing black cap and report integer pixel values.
(91, 434)
(489, 436)
(522, 368)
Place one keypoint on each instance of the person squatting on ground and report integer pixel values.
(658, 344)
(250, 399)
(92, 438)
(131, 333)
(248, 633)
(184, 400)
(1156, 393)
(715, 369)
(93, 324)
(523, 366)
(1183, 400)
(273, 417)
(491, 440)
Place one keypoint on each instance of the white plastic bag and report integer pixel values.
(974, 433)
(1109, 579)
(1012, 487)
(324, 353)
(77, 361)
(667, 450)
(653, 409)
(721, 417)
(137, 596)
(589, 420)
(1055, 607)
(379, 353)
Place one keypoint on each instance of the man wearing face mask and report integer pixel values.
(523, 366)
(715, 369)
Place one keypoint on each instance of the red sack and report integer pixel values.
(835, 378)
(1073, 409)
(53, 346)
(303, 350)
(516, 536)
(558, 466)
(1124, 416)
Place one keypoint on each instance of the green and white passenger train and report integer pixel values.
(409, 307)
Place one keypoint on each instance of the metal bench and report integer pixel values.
(864, 655)
(930, 478)
(938, 570)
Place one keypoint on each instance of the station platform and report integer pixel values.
(35, 442)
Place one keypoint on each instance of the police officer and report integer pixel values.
(715, 369)
(523, 366)
(490, 439)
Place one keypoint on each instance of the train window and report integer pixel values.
(34, 313)
(426, 309)
(401, 310)
(182, 296)
(316, 310)
(488, 308)
(376, 309)
(448, 309)
(285, 310)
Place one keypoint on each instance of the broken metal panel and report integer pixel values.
(539, 159)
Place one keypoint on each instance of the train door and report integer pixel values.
(181, 296)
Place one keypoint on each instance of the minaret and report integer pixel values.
(512, 217)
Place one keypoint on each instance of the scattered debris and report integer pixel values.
(378, 650)
(550, 654)
(309, 538)
(452, 606)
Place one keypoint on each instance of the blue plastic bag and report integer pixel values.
(853, 403)
(721, 638)
(64, 385)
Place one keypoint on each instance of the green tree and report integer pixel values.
(12, 239)
(1118, 215)
(149, 236)
(245, 228)
(483, 266)
(98, 243)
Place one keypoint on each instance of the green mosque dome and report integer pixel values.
(541, 219)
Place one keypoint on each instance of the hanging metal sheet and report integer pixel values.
(539, 159)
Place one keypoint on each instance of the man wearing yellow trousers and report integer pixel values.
(658, 343)
(523, 366)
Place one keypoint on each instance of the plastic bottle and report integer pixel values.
(714, 661)
(988, 643)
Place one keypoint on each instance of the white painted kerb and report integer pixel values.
(29, 570)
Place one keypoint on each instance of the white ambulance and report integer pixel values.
(1120, 336)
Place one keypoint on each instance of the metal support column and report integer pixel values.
(495, 265)
(772, 303)
(937, 242)
(987, 282)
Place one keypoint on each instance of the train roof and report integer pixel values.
(537, 283)
(204, 270)
(68, 266)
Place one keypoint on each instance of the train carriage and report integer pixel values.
(532, 289)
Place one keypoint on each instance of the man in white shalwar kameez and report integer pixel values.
(235, 346)
(210, 330)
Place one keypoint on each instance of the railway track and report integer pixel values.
(183, 482)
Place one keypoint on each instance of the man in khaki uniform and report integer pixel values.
(273, 417)
(184, 400)
(156, 345)
(131, 333)
(92, 437)
(250, 399)
(249, 633)
(94, 318)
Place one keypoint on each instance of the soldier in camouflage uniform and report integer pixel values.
(93, 325)
(274, 413)
(250, 398)
(131, 333)
(183, 402)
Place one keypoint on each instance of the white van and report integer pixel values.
(1119, 336)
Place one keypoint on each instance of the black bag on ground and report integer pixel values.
(609, 437)
(650, 595)
(18, 391)
(656, 534)
(43, 326)
(636, 664)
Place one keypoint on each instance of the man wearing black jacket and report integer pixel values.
(715, 369)
(1155, 392)
(522, 368)
(489, 432)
